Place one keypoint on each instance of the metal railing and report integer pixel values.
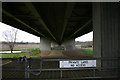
(28, 69)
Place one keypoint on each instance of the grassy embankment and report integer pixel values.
(28, 53)
(88, 51)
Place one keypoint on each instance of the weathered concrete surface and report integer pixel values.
(45, 44)
(70, 44)
(106, 23)
(97, 32)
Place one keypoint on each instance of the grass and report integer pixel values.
(18, 49)
(29, 53)
(88, 51)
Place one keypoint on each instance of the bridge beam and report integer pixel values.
(36, 13)
(86, 24)
(20, 21)
(68, 13)
(106, 18)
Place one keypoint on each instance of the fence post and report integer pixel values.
(60, 73)
(25, 69)
(28, 67)
(93, 72)
(40, 63)
(27, 74)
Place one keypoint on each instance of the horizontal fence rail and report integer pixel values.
(28, 70)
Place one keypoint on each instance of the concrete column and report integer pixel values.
(106, 23)
(45, 44)
(69, 45)
(97, 32)
(53, 44)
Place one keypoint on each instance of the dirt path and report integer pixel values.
(64, 54)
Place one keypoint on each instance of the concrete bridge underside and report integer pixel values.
(61, 23)
(55, 22)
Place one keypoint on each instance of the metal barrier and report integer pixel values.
(28, 69)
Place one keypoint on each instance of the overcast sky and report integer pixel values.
(26, 37)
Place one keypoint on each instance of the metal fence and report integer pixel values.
(42, 68)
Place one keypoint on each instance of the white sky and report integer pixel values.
(27, 37)
(21, 36)
(86, 37)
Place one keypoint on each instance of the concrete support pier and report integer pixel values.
(45, 44)
(70, 44)
(106, 23)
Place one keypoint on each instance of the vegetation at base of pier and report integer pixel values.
(88, 51)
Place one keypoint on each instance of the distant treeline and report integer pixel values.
(84, 43)
(21, 42)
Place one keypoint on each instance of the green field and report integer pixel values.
(28, 53)
(29, 50)
(88, 51)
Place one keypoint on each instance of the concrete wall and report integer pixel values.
(45, 44)
(106, 23)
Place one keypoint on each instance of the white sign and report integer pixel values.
(77, 63)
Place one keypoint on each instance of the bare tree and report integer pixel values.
(10, 36)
